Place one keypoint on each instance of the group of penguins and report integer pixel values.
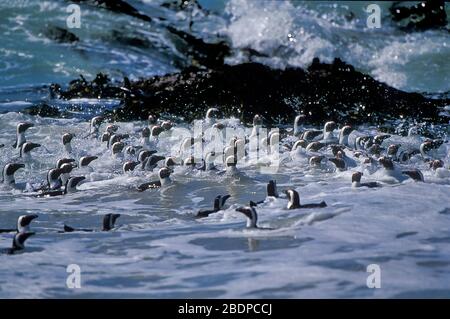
(383, 153)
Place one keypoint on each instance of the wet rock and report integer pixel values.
(323, 92)
(43, 110)
(118, 6)
(420, 17)
(60, 35)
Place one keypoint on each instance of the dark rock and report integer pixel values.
(117, 6)
(323, 92)
(43, 110)
(60, 34)
(420, 17)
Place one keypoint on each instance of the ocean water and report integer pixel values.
(159, 250)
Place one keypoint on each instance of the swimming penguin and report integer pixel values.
(429, 149)
(328, 129)
(23, 224)
(19, 242)
(116, 150)
(219, 203)
(152, 121)
(151, 162)
(116, 138)
(70, 187)
(231, 168)
(131, 150)
(294, 201)
(66, 169)
(208, 162)
(356, 181)
(211, 115)
(339, 161)
(109, 221)
(315, 146)
(53, 178)
(155, 132)
(316, 161)
(166, 125)
(63, 161)
(8, 173)
(20, 134)
(298, 121)
(343, 135)
(145, 139)
(252, 217)
(144, 154)
(164, 179)
(25, 151)
(129, 166)
(310, 135)
(85, 161)
(95, 123)
(396, 175)
(171, 161)
(271, 191)
(67, 139)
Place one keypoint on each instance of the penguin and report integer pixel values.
(429, 149)
(151, 162)
(208, 162)
(144, 154)
(23, 224)
(63, 161)
(171, 161)
(116, 150)
(315, 146)
(25, 151)
(294, 201)
(211, 116)
(271, 191)
(8, 173)
(164, 180)
(219, 203)
(66, 169)
(344, 134)
(231, 168)
(70, 187)
(116, 138)
(166, 125)
(67, 139)
(328, 129)
(155, 132)
(298, 121)
(85, 161)
(53, 178)
(339, 161)
(316, 161)
(94, 127)
(310, 135)
(109, 222)
(398, 175)
(152, 121)
(145, 139)
(131, 151)
(19, 242)
(356, 181)
(20, 134)
(129, 166)
(252, 217)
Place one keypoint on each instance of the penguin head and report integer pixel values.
(23, 126)
(231, 161)
(109, 221)
(71, 185)
(54, 173)
(96, 121)
(434, 165)
(257, 120)
(210, 157)
(66, 168)
(393, 149)
(151, 161)
(152, 119)
(117, 147)
(218, 126)
(28, 147)
(166, 125)
(67, 138)
(171, 161)
(356, 177)
(272, 188)
(329, 126)
(156, 130)
(219, 201)
(23, 222)
(316, 160)
(11, 168)
(190, 161)
(145, 133)
(293, 197)
(346, 130)
(386, 162)
(250, 213)
(378, 139)
(299, 144)
(164, 173)
(129, 166)
(212, 113)
(335, 148)
(86, 160)
(105, 137)
(299, 119)
(19, 240)
(111, 128)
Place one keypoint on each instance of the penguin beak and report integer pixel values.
(28, 218)
(225, 197)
